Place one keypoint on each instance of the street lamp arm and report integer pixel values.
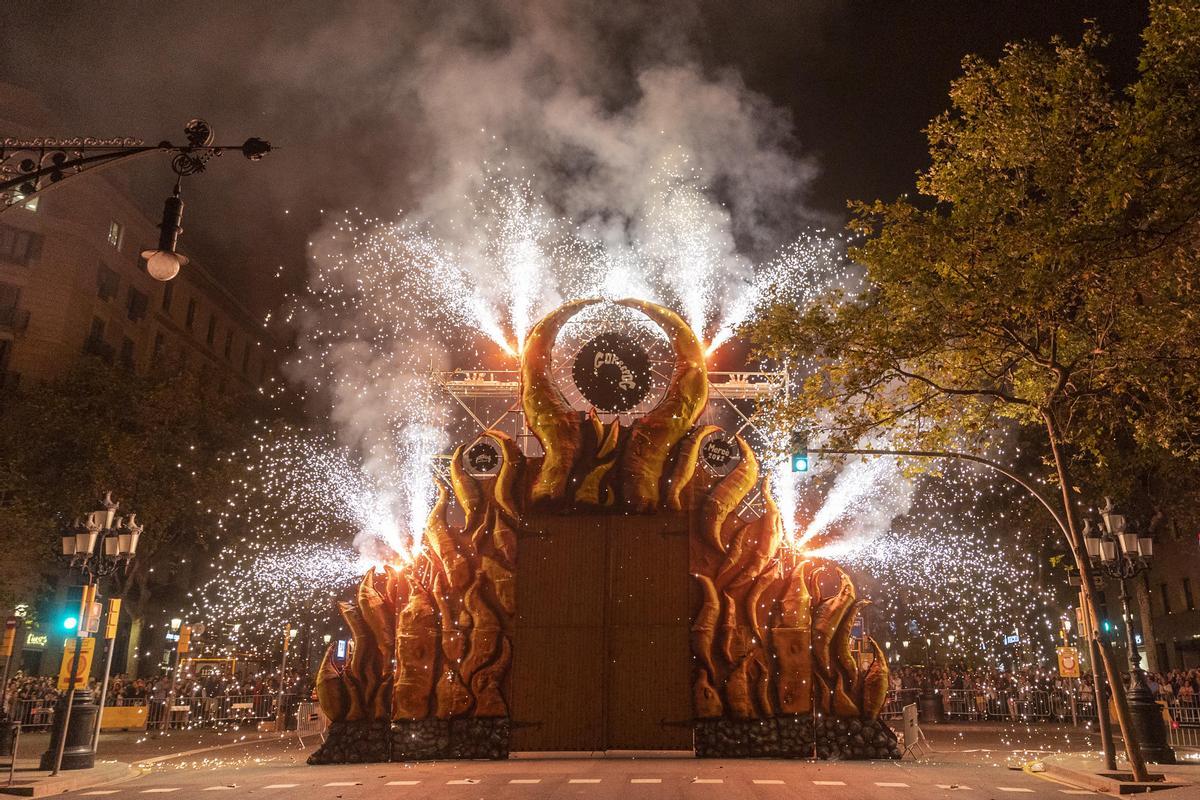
(28, 167)
(992, 465)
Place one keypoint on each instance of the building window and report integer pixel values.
(30, 204)
(1188, 601)
(95, 344)
(136, 304)
(108, 283)
(191, 313)
(211, 336)
(168, 292)
(116, 233)
(159, 346)
(127, 352)
(18, 246)
(228, 343)
(1166, 598)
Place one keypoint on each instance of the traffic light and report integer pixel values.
(799, 445)
(68, 613)
(79, 612)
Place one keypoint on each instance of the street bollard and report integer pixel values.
(12, 765)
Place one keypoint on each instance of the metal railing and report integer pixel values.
(184, 712)
(234, 709)
(1030, 705)
(33, 714)
(1185, 725)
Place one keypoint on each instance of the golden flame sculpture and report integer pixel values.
(432, 639)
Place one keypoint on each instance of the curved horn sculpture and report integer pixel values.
(547, 412)
(653, 436)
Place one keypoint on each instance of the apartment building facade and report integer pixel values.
(72, 282)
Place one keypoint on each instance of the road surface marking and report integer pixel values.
(708, 780)
(159, 791)
(584, 780)
(829, 783)
(891, 785)
(526, 780)
(645, 780)
(1015, 789)
(463, 782)
(219, 788)
(103, 791)
(762, 782)
(1076, 791)
(282, 786)
(402, 783)
(343, 783)
(953, 786)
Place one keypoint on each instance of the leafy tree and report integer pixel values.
(161, 444)
(1046, 275)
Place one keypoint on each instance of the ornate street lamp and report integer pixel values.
(1116, 550)
(29, 166)
(101, 546)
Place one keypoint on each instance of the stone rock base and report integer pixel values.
(420, 740)
(473, 737)
(354, 743)
(795, 737)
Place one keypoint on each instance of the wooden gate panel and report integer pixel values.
(558, 643)
(649, 707)
(648, 681)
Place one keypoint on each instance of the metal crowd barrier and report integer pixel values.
(234, 709)
(32, 714)
(184, 712)
(1185, 725)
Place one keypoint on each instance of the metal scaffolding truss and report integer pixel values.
(731, 389)
(504, 384)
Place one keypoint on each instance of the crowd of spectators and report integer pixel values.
(1177, 687)
(32, 697)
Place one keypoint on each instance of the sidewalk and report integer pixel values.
(29, 781)
(1086, 771)
(121, 756)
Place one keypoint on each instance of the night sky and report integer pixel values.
(859, 80)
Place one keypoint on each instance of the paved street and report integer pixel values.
(970, 761)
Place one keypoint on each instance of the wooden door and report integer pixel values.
(600, 646)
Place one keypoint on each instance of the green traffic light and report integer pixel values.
(799, 462)
(70, 623)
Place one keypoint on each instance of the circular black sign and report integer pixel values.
(612, 372)
(720, 454)
(482, 458)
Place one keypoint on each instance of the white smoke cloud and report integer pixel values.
(551, 150)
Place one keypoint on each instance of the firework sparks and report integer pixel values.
(386, 294)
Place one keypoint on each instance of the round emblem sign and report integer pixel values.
(482, 458)
(612, 372)
(719, 454)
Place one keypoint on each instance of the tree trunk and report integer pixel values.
(1132, 747)
(1149, 643)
